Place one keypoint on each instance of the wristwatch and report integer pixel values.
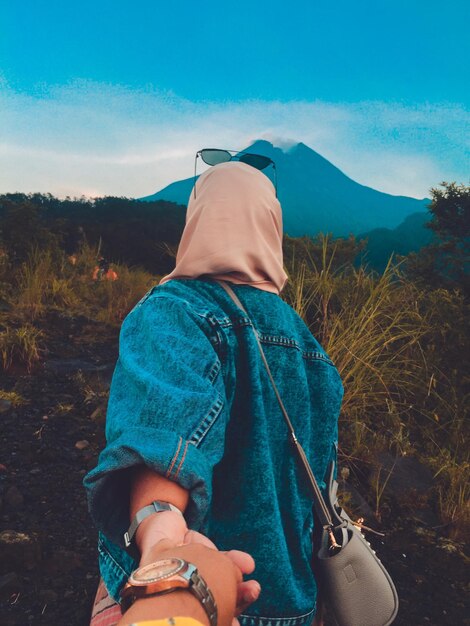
(164, 576)
(157, 506)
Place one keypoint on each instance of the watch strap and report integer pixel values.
(157, 506)
(195, 584)
(199, 588)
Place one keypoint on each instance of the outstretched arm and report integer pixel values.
(162, 535)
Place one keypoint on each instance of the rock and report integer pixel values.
(82, 445)
(48, 596)
(9, 584)
(19, 551)
(409, 482)
(5, 405)
(13, 499)
(403, 474)
(99, 414)
(62, 562)
(72, 366)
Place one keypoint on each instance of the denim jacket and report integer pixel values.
(190, 398)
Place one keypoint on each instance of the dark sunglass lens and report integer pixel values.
(213, 156)
(255, 160)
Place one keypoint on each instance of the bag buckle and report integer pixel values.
(334, 545)
(359, 523)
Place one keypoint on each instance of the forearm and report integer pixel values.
(175, 604)
(147, 486)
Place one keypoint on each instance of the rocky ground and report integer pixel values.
(48, 570)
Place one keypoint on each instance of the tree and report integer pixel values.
(446, 262)
(23, 229)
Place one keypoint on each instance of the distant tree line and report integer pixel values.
(130, 231)
(146, 234)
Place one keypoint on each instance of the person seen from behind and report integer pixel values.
(194, 426)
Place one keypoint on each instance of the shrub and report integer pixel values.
(20, 346)
(370, 326)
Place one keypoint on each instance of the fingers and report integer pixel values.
(247, 593)
(244, 561)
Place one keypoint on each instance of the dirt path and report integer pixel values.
(49, 444)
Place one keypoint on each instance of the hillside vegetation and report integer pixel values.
(398, 338)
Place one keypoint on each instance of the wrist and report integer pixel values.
(164, 525)
(179, 603)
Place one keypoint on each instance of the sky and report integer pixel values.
(113, 97)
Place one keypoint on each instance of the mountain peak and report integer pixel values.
(262, 143)
(315, 195)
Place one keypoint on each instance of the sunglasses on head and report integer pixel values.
(214, 156)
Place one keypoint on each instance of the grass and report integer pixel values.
(371, 327)
(110, 301)
(397, 346)
(20, 346)
(33, 281)
(15, 398)
(44, 282)
(386, 336)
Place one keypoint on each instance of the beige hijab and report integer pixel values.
(233, 230)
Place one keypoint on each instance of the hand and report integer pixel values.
(247, 590)
(223, 572)
(164, 525)
(170, 527)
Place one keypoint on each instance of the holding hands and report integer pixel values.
(165, 535)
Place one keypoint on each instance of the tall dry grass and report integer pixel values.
(110, 301)
(388, 337)
(44, 283)
(21, 346)
(371, 327)
(385, 334)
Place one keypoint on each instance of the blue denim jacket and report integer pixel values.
(190, 398)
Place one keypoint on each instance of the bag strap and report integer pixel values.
(321, 508)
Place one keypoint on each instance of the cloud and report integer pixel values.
(97, 139)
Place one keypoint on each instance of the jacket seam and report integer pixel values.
(106, 554)
(206, 423)
(240, 322)
(182, 460)
(281, 340)
(214, 371)
(175, 456)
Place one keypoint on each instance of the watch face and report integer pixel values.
(157, 571)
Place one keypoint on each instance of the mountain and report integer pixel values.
(316, 196)
(409, 236)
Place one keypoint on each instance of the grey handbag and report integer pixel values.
(355, 585)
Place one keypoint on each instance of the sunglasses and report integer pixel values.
(214, 156)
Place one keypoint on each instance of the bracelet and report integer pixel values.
(157, 506)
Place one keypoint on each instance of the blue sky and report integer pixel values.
(114, 96)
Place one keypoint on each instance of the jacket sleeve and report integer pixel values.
(167, 409)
